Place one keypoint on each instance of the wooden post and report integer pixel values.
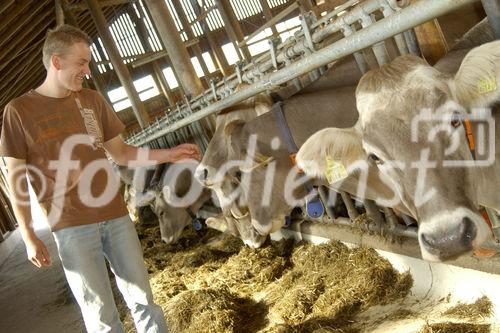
(142, 32)
(220, 58)
(190, 35)
(233, 28)
(115, 58)
(181, 61)
(269, 15)
(431, 40)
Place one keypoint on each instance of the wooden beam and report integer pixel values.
(214, 44)
(120, 69)
(269, 16)
(21, 89)
(20, 74)
(431, 41)
(142, 33)
(12, 72)
(190, 35)
(181, 61)
(232, 27)
(6, 6)
(19, 83)
(102, 4)
(30, 83)
(33, 48)
(19, 26)
(14, 13)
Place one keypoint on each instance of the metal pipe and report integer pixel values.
(412, 42)
(265, 63)
(399, 38)
(347, 30)
(390, 217)
(326, 202)
(492, 9)
(373, 212)
(402, 20)
(351, 209)
(409, 232)
(335, 12)
(378, 48)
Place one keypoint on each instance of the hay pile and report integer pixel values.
(456, 328)
(482, 308)
(209, 282)
(329, 284)
(249, 271)
(213, 310)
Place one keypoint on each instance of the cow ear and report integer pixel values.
(218, 223)
(342, 146)
(477, 81)
(144, 198)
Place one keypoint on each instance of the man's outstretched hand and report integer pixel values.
(184, 151)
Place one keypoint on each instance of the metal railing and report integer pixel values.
(304, 53)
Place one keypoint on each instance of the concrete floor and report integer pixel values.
(33, 299)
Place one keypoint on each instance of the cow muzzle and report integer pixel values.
(451, 234)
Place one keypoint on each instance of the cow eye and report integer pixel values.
(375, 158)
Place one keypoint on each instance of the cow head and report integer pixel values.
(219, 150)
(175, 192)
(408, 130)
(236, 218)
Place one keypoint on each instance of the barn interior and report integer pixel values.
(167, 68)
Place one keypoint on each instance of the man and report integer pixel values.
(59, 134)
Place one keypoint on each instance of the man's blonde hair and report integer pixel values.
(60, 39)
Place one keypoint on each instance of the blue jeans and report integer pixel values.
(82, 250)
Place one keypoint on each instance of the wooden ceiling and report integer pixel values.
(23, 25)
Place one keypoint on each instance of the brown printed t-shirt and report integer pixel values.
(47, 132)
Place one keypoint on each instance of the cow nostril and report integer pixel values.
(202, 174)
(467, 231)
(427, 241)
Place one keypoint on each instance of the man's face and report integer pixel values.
(73, 66)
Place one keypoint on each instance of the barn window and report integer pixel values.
(126, 38)
(177, 21)
(153, 39)
(170, 77)
(288, 27)
(96, 57)
(230, 53)
(146, 88)
(259, 43)
(209, 62)
(191, 17)
(213, 20)
(246, 8)
(106, 58)
(197, 67)
(276, 3)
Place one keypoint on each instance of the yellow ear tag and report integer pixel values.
(487, 84)
(335, 170)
